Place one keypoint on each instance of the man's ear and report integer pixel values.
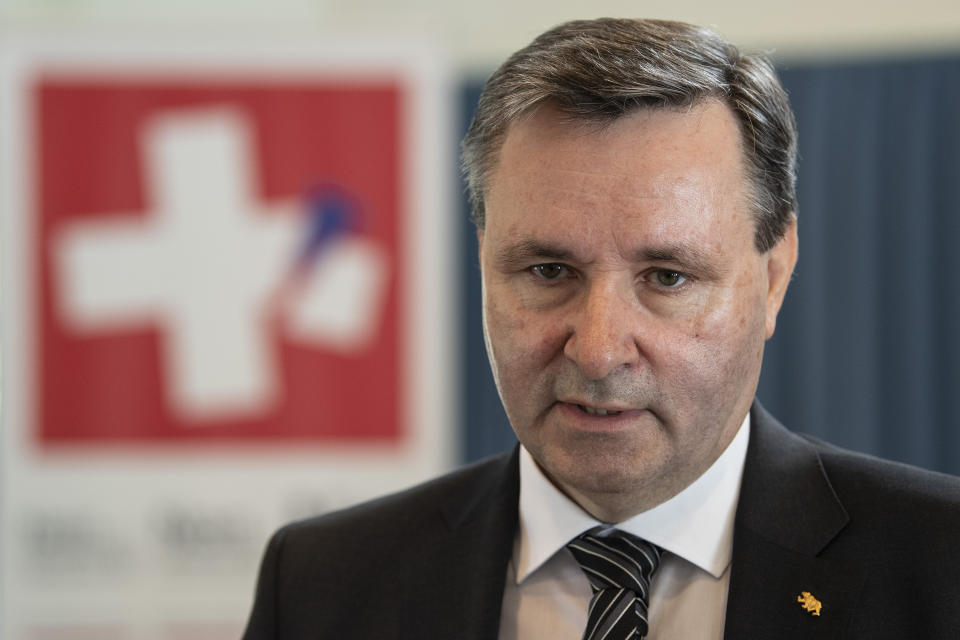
(780, 262)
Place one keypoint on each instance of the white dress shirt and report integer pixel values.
(547, 594)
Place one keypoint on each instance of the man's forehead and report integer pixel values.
(621, 144)
(664, 182)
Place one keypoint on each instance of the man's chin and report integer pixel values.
(596, 479)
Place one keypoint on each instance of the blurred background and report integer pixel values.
(238, 284)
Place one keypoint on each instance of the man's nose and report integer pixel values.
(603, 334)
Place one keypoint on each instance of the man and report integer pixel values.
(633, 189)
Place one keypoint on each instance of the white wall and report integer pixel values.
(477, 35)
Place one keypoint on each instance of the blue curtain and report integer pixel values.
(867, 352)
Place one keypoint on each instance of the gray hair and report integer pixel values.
(599, 70)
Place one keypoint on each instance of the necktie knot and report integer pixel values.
(619, 567)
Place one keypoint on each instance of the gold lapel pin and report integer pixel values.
(809, 603)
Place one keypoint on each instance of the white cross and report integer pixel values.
(207, 265)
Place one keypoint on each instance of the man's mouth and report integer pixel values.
(592, 411)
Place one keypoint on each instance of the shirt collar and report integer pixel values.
(696, 524)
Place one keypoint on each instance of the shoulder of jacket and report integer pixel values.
(413, 504)
(882, 484)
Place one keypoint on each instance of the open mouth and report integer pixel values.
(591, 411)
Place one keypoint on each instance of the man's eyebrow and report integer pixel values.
(685, 257)
(521, 253)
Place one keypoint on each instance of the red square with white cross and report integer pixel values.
(217, 259)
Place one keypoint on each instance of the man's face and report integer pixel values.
(625, 305)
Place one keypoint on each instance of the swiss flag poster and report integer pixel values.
(219, 259)
(225, 305)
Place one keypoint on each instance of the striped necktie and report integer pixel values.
(619, 567)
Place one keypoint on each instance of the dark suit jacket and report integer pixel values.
(875, 542)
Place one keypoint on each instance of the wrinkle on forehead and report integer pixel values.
(610, 157)
(612, 183)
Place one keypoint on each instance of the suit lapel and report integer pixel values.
(786, 517)
(462, 588)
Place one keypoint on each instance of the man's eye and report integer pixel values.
(669, 279)
(550, 271)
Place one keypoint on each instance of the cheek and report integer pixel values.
(505, 329)
(517, 337)
(734, 312)
(522, 344)
(521, 352)
(724, 339)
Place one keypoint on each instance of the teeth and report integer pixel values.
(597, 412)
